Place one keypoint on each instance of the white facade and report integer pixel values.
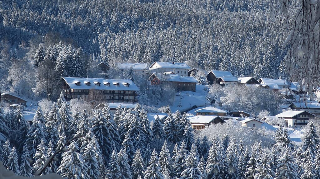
(163, 67)
(251, 123)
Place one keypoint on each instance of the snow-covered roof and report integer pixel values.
(134, 66)
(244, 79)
(211, 109)
(123, 105)
(201, 119)
(100, 84)
(312, 105)
(224, 75)
(269, 81)
(157, 65)
(13, 94)
(289, 113)
(178, 78)
(249, 119)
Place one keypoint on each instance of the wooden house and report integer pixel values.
(209, 111)
(223, 78)
(180, 83)
(100, 90)
(275, 84)
(201, 122)
(12, 99)
(311, 107)
(239, 114)
(159, 68)
(296, 118)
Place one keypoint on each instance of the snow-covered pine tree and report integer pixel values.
(192, 171)
(317, 164)
(307, 165)
(36, 133)
(253, 161)
(51, 124)
(232, 160)
(204, 148)
(153, 170)
(72, 164)
(40, 157)
(202, 167)
(92, 157)
(311, 139)
(158, 134)
(127, 145)
(137, 166)
(179, 158)
(188, 136)
(264, 168)
(25, 166)
(165, 159)
(124, 166)
(6, 152)
(286, 166)
(113, 170)
(215, 162)
(12, 163)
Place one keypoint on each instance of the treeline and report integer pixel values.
(96, 143)
(245, 37)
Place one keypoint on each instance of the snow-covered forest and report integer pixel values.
(42, 41)
(92, 144)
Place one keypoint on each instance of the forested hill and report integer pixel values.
(243, 36)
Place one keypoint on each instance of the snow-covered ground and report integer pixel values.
(185, 100)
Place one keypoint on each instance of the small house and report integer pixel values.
(209, 111)
(239, 114)
(223, 78)
(201, 122)
(275, 84)
(250, 122)
(296, 118)
(180, 83)
(12, 99)
(137, 68)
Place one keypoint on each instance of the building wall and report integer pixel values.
(255, 124)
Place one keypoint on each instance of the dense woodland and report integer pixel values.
(41, 41)
(95, 143)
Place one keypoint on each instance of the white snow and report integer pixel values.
(134, 66)
(244, 79)
(289, 113)
(153, 116)
(274, 83)
(313, 105)
(211, 109)
(123, 105)
(225, 75)
(105, 84)
(178, 78)
(158, 65)
(201, 119)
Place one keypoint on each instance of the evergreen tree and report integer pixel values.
(204, 148)
(179, 164)
(192, 170)
(215, 162)
(264, 168)
(165, 159)
(128, 146)
(124, 164)
(287, 167)
(40, 157)
(311, 140)
(6, 152)
(72, 163)
(282, 138)
(158, 132)
(25, 166)
(113, 170)
(137, 166)
(92, 157)
(153, 169)
(12, 163)
(232, 161)
(202, 167)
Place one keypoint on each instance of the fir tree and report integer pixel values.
(153, 169)
(40, 157)
(287, 167)
(215, 162)
(113, 170)
(72, 163)
(12, 163)
(25, 166)
(264, 168)
(179, 160)
(192, 170)
(124, 164)
(311, 140)
(232, 161)
(165, 159)
(6, 152)
(202, 167)
(137, 166)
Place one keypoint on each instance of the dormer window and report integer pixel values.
(97, 83)
(87, 83)
(77, 83)
(116, 83)
(106, 83)
(126, 84)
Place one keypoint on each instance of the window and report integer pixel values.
(253, 125)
